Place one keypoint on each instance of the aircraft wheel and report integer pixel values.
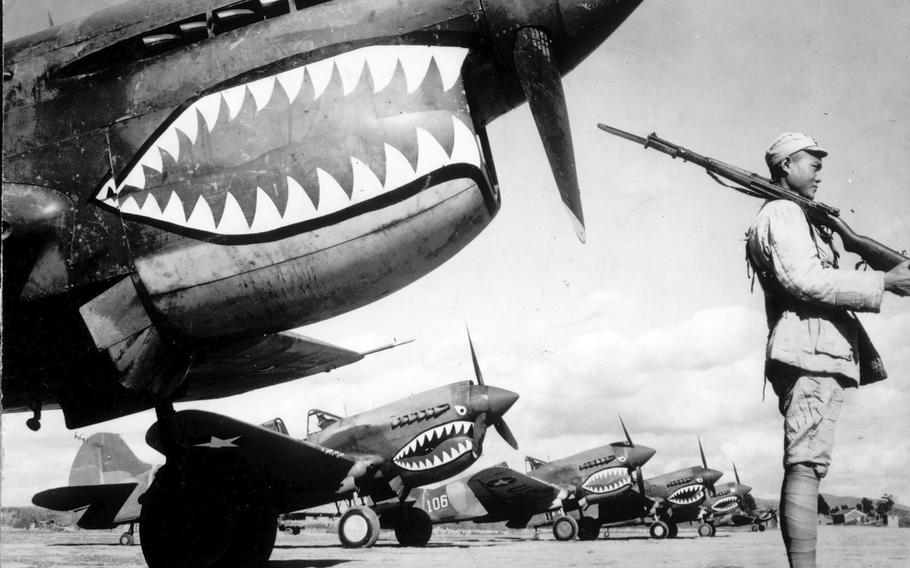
(413, 528)
(588, 528)
(252, 536)
(706, 529)
(184, 525)
(289, 531)
(754, 528)
(672, 530)
(761, 528)
(126, 539)
(659, 530)
(565, 528)
(296, 531)
(358, 528)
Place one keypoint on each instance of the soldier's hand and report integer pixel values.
(897, 280)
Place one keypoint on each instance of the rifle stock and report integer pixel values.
(876, 255)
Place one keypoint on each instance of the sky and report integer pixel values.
(653, 317)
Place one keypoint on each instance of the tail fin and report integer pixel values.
(105, 458)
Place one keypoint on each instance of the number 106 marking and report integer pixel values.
(437, 503)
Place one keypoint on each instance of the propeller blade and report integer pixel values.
(480, 430)
(506, 433)
(736, 473)
(542, 86)
(477, 372)
(625, 431)
(701, 450)
(641, 481)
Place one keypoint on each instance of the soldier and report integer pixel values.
(816, 346)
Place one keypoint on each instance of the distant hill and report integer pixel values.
(834, 501)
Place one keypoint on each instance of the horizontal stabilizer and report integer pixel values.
(102, 502)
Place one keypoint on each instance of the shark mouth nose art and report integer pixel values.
(726, 504)
(304, 147)
(608, 480)
(437, 446)
(688, 495)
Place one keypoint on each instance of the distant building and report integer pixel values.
(855, 517)
(894, 521)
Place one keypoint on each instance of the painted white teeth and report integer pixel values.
(380, 62)
(234, 99)
(350, 67)
(201, 217)
(320, 74)
(267, 216)
(398, 171)
(291, 82)
(262, 91)
(209, 107)
(151, 159)
(188, 123)
(232, 219)
(173, 211)
(299, 206)
(170, 143)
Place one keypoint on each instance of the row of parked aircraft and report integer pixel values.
(383, 459)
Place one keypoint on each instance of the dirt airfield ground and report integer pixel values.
(841, 547)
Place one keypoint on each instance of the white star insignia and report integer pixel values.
(216, 442)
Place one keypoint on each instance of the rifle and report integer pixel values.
(876, 255)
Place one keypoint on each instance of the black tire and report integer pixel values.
(565, 528)
(413, 528)
(761, 528)
(659, 530)
(588, 528)
(672, 530)
(705, 530)
(252, 537)
(358, 528)
(184, 525)
(296, 531)
(126, 539)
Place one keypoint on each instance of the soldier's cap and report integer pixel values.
(790, 143)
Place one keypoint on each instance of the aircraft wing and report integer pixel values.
(506, 493)
(102, 502)
(298, 474)
(241, 366)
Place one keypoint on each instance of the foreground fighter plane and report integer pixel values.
(664, 500)
(183, 180)
(571, 484)
(105, 482)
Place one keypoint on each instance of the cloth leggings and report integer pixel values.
(811, 405)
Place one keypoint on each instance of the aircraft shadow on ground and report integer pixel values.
(390, 545)
(110, 544)
(303, 563)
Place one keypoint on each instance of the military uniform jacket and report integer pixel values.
(808, 300)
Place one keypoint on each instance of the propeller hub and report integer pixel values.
(494, 400)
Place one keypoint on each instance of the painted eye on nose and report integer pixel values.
(698, 479)
(461, 410)
(622, 459)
